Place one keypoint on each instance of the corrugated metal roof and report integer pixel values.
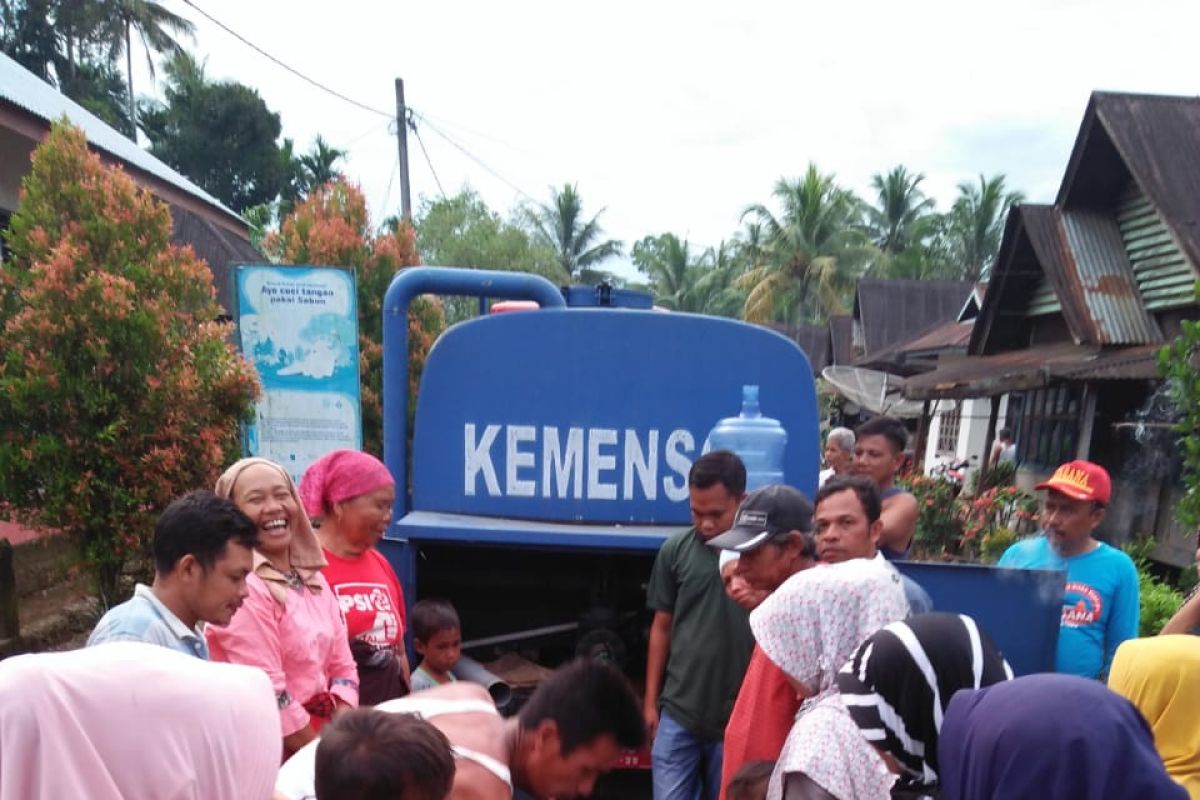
(217, 246)
(891, 311)
(812, 339)
(1084, 262)
(23, 89)
(1163, 274)
(841, 339)
(919, 353)
(1104, 277)
(1031, 368)
(1157, 139)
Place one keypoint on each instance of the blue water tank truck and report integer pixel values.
(549, 452)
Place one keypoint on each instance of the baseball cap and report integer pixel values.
(1081, 480)
(766, 512)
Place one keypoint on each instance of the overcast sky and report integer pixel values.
(674, 116)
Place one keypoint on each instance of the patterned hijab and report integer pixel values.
(305, 550)
(1161, 676)
(897, 685)
(808, 627)
(1049, 736)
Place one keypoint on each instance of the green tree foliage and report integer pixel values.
(302, 174)
(899, 218)
(220, 134)
(682, 281)
(65, 43)
(1179, 364)
(975, 225)
(118, 389)
(560, 225)
(904, 226)
(156, 26)
(809, 255)
(332, 227)
(462, 231)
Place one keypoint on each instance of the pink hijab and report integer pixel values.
(129, 720)
(341, 475)
(809, 627)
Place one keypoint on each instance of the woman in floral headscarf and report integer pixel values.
(351, 493)
(809, 627)
(290, 625)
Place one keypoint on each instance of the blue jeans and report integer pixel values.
(684, 766)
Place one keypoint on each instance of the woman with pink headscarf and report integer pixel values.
(351, 493)
(134, 720)
(290, 625)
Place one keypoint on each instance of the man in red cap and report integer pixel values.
(1100, 608)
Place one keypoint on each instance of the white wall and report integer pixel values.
(972, 430)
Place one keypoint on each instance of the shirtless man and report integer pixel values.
(878, 454)
(568, 733)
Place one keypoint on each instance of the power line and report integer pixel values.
(365, 107)
(388, 191)
(425, 153)
(475, 158)
(290, 69)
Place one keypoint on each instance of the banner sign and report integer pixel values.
(298, 326)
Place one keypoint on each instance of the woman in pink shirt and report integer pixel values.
(290, 625)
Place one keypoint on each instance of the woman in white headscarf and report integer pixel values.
(809, 627)
(131, 720)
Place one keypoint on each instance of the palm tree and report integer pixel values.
(559, 224)
(975, 224)
(895, 221)
(318, 163)
(669, 265)
(156, 26)
(809, 255)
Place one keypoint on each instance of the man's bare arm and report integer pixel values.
(899, 518)
(1186, 619)
(656, 665)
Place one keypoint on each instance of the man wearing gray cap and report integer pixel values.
(772, 534)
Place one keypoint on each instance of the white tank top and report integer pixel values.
(297, 778)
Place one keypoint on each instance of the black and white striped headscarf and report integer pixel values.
(900, 680)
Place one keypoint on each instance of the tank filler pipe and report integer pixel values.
(410, 283)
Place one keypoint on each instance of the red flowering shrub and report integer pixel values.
(996, 518)
(331, 227)
(118, 390)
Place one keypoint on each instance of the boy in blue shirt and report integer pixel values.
(1101, 604)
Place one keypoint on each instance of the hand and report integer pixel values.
(650, 716)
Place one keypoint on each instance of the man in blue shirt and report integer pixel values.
(1101, 606)
(203, 551)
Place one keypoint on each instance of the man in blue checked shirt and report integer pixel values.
(202, 554)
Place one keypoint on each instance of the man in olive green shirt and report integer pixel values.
(700, 640)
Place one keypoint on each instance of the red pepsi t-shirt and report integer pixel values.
(369, 595)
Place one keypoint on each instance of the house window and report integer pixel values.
(1047, 425)
(947, 441)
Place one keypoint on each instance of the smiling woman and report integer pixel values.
(290, 625)
(352, 495)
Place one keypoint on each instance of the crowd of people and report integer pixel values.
(787, 659)
(851, 674)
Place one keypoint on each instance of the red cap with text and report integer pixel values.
(1081, 480)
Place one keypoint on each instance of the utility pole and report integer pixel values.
(402, 139)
